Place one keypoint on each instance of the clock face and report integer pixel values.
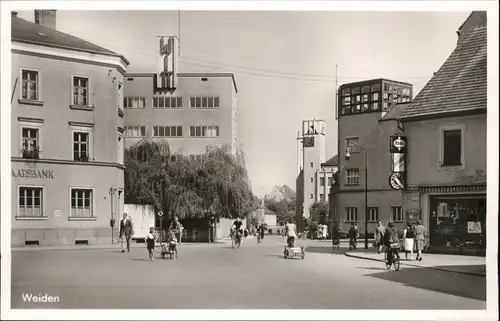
(308, 141)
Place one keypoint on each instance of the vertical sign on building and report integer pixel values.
(167, 77)
(398, 147)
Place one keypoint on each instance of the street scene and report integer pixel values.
(303, 160)
(254, 276)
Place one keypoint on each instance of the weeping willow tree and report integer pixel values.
(216, 185)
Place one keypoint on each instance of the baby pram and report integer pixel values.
(336, 239)
(170, 247)
(291, 250)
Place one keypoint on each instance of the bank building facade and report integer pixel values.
(66, 136)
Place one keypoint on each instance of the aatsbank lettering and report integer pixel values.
(33, 173)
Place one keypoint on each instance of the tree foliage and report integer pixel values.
(319, 212)
(187, 188)
(285, 210)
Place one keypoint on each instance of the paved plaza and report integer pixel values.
(255, 276)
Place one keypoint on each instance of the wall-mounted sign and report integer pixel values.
(397, 181)
(33, 173)
(398, 144)
(474, 227)
(398, 162)
(308, 141)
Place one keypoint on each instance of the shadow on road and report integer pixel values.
(341, 251)
(467, 286)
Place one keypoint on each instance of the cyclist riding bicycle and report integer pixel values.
(391, 237)
(291, 233)
(237, 229)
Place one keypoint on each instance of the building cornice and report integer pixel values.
(69, 54)
(66, 162)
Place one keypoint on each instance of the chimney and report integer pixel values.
(46, 18)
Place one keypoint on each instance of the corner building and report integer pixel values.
(67, 136)
(366, 117)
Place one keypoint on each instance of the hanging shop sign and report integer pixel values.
(398, 144)
(397, 181)
(33, 173)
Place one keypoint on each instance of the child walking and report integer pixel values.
(150, 243)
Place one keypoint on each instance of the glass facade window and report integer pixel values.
(375, 96)
(346, 91)
(366, 107)
(376, 106)
(375, 87)
(458, 221)
(364, 98)
(356, 90)
(365, 89)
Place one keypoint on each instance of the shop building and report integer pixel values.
(66, 140)
(445, 126)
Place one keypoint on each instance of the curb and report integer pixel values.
(91, 248)
(418, 266)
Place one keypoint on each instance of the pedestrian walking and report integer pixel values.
(324, 231)
(262, 230)
(420, 234)
(195, 234)
(409, 236)
(379, 236)
(150, 243)
(181, 231)
(126, 232)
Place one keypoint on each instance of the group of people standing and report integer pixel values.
(413, 238)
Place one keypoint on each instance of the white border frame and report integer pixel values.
(94, 216)
(40, 92)
(45, 215)
(492, 191)
(90, 104)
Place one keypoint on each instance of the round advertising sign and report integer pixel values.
(395, 181)
(160, 213)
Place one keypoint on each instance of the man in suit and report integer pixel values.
(126, 230)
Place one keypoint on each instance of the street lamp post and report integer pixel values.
(348, 156)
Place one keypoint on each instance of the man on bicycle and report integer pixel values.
(291, 233)
(391, 237)
(237, 229)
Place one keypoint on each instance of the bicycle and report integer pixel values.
(236, 240)
(395, 247)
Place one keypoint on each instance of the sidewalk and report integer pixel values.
(105, 246)
(471, 265)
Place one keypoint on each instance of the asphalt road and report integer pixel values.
(214, 276)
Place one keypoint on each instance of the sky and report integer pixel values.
(284, 63)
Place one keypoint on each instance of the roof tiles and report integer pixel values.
(26, 31)
(460, 83)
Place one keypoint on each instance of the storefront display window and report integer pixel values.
(458, 221)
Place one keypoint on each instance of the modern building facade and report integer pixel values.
(366, 122)
(325, 178)
(311, 151)
(67, 136)
(199, 113)
(446, 130)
